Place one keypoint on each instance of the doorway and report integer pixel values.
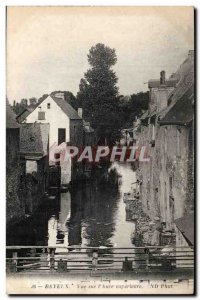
(61, 135)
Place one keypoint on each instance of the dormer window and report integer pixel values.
(48, 105)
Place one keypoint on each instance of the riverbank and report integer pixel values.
(144, 226)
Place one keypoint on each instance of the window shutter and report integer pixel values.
(41, 115)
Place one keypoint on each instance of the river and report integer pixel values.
(90, 215)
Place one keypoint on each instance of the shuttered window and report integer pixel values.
(41, 115)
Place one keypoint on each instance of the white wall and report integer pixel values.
(66, 172)
(54, 116)
(31, 166)
(159, 97)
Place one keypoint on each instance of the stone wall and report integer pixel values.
(15, 206)
(173, 173)
(164, 179)
(159, 98)
(189, 205)
(36, 185)
(25, 187)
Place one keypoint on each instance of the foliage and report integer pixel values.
(98, 93)
(132, 107)
(32, 101)
(20, 107)
(71, 99)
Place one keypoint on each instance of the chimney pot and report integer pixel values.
(162, 77)
(59, 95)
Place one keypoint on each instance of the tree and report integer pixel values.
(24, 102)
(71, 99)
(132, 107)
(20, 107)
(32, 102)
(98, 93)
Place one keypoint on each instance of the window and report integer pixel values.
(178, 142)
(170, 182)
(61, 135)
(41, 115)
(165, 140)
(171, 206)
(165, 199)
(48, 105)
(153, 132)
(170, 185)
(152, 142)
(169, 101)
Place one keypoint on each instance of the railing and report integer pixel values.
(65, 259)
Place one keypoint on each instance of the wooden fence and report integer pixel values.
(68, 259)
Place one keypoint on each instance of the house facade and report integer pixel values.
(15, 207)
(167, 131)
(34, 158)
(65, 126)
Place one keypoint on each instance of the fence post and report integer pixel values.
(52, 259)
(94, 260)
(15, 261)
(127, 265)
(147, 257)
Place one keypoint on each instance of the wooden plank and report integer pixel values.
(94, 248)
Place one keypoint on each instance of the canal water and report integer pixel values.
(90, 215)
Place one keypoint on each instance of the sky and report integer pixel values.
(47, 47)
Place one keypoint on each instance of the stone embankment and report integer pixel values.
(146, 230)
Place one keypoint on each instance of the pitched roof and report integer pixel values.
(186, 226)
(10, 117)
(185, 67)
(66, 108)
(180, 112)
(34, 139)
(22, 116)
(185, 73)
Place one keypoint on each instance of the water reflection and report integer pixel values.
(94, 215)
(90, 215)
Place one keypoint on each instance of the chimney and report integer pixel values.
(80, 112)
(162, 77)
(59, 95)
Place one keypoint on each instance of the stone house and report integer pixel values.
(167, 130)
(65, 126)
(34, 157)
(15, 208)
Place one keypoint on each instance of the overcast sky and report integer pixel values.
(47, 47)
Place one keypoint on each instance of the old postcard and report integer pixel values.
(100, 122)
